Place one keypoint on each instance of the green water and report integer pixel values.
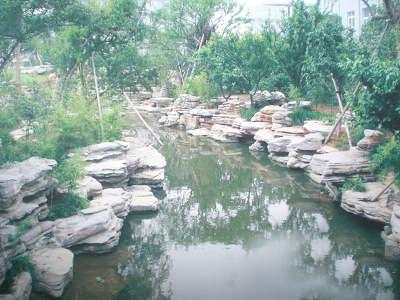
(234, 226)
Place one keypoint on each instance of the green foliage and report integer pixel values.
(69, 172)
(379, 104)
(248, 113)
(355, 184)
(199, 86)
(67, 205)
(21, 263)
(299, 115)
(386, 159)
(234, 63)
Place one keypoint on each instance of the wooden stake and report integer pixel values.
(143, 120)
(98, 99)
(18, 65)
(384, 190)
(340, 100)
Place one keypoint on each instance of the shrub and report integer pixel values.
(386, 159)
(248, 113)
(299, 115)
(354, 184)
(69, 171)
(199, 86)
(67, 205)
(21, 263)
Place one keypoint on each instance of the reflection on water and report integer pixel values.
(234, 226)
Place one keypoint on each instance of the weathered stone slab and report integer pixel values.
(53, 269)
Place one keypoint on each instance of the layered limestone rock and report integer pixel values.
(171, 119)
(107, 162)
(20, 289)
(88, 187)
(250, 128)
(227, 134)
(302, 151)
(95, 229)
(263, 98)
(335, 167)
(360, 203)
(143, 200)
(24, 182)
(282, 118)
(314, 126)
(391, 235)
(117, 198)
(38, 236)
(258, 147)
(53, 270)
(199, 132)
(265, 114)
(371, 139)
(185, 102)
(152, 177)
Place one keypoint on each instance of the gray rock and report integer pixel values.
(117, 198)
(142, 199)
(148, 157)
(151, 177)
(76, 230)
(335, 167)
(318, 127)
(310, 143)
(258, 147)
(109, 172)
(371, 139)
(280, 144)
(39, 235)
(199, 132)
(35, 209)
(24, 179)
(20, 289)
(282, 117)
(53, 269)
(265, 135)
(88, 187)
(360, 203)
(223, 133)
(98, 152)
(265, 114)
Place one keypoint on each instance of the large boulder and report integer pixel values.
(171, 119)
(35, 209)
(148, 157)
(262, 98)
(53, 270)
(117, 198)
(151, 177)
(88, 187)
(371, 139)
(335, 167)
(80, 229)
(360, 203)
(27, 179)
(265, 114)
(143, 200)
(223, 133)
(185, 103)
(109, 172)
(106, 150)
(321, 127)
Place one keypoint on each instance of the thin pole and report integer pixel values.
(98, 99)
(143, 120)
(340, 100)
(384, 190)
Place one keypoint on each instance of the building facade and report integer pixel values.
(354, 13)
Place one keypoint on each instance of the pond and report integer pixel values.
(232, 225)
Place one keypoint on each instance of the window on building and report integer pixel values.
(351, 20)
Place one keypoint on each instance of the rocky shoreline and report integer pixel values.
(120, 176)
(272, 132)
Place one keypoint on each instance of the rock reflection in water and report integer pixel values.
(234, 226)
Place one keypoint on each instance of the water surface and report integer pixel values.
(233, 225)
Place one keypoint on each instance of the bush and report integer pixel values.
(199, 86)
(248, 113)
(21, 263)
(67, 205)
(354, 184)
(386, 159)
(69, 171)
(299, 115)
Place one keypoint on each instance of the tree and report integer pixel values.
(20, 20)
(182, 27)
(237, 63)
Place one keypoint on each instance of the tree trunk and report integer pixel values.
(18, 65)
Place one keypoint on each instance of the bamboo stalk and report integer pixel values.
(340, 100)
(98, 99)
(143, 120)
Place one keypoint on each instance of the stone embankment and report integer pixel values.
(119, 179)
(271, 131)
